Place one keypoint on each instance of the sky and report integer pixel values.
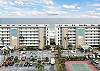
(67, 8)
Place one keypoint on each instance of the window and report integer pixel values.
(13, 25)
(58, 28)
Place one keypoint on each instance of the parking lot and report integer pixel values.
(47, 67)
(36, 54)
(39, 55)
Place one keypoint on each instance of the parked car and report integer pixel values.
(52, 61)
(23, 58)
(30, 63)
(26, 64)
(20, 65)
(16, 65)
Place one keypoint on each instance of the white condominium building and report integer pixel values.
(30, 35)
(77, 34)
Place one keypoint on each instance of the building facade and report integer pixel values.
(77, 34)
(29, 35)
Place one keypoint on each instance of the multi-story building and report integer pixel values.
(18, 35)
(77, 34)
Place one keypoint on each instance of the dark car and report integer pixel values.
(26, 64)
(20, 65)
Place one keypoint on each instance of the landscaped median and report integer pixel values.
(60, 62)
(59, 65)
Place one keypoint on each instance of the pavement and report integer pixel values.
(13, 68)
(36, 54)
(70, 53)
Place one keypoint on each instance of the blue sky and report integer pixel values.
(68, 8)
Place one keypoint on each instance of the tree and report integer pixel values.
(16, 59)
(59, 51)
(2, 40)
(5, 53)
(47, 47)
(39, 66)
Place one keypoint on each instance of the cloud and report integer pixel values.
(97, 14)
(3, 2)
(46, 8)
(48, 2)
(88, 16)
(53, 13)
(16, 13)
(97, 8)
(97, 4)
(19, 2)
(57, 12)
(37, 13)
(71, 7)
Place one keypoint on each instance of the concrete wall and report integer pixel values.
(65, 37)
(13, 41)
(41, 38)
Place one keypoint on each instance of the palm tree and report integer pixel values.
(2, 40)
(59, 59)
(5, 53)
(39, 66)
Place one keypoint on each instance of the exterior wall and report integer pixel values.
(5, 34)
(42, 38)
(27, 34)
(65, 37)
(91, 36)
(80, 37)
(13, 42)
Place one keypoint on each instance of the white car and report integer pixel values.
(73, 51)
(52, 61)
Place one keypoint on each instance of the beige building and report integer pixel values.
(13, 42)
(65, 37)
(28, 35)
(77, 35)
